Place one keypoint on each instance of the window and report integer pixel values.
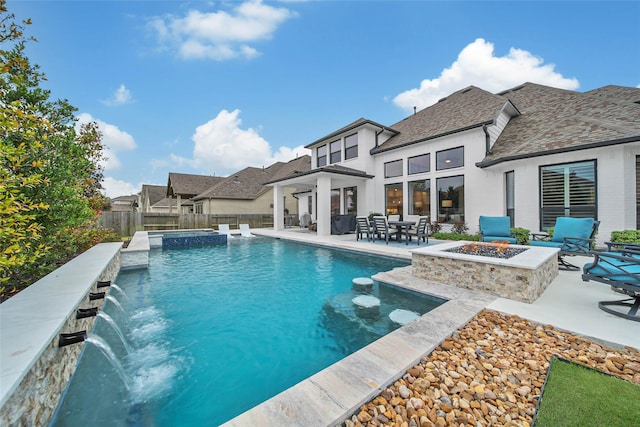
(310, 205)
(567, 190)
(199, 208)
(393, 199)
(322, 156)
(351, 147)
(419, 164)
(392, 169)
(447, 159)
(335, 202)
(451, 199)
(351, 200)
(510, 196)
(336, 154)
(419, 197)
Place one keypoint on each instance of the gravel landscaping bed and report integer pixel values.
(489, 373)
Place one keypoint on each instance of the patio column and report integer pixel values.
(278, 208)
(323, 215)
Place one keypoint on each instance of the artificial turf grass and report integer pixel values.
(576, 395)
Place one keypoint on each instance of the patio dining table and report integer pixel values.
(400, 225)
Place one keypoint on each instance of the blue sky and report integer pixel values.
(213, 87)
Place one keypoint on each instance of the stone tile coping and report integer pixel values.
(30, 320)
(333, 394)
(530, 259)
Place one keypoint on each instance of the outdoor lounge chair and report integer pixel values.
(573, 236)
(496, 229)
(621, 271)
(363, 227)
(421, 231)
(245, 231)
(381, 228)
(224, 229)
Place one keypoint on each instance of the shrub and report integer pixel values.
(456, 236)
(435, 227)
(626, 236)
(459, 227)
(372, 214)
(522, 235)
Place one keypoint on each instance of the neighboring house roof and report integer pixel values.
(248, 184)
(165, 203)
(187, 185)
(125, 199)
(557, 120)
(465, 109)
(155, 193)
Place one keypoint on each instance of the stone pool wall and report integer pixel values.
(36, 371)
(512, 281)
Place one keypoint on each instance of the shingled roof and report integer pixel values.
(187, 185)
(546, 120)
(466, 109)
(248, 183)
(556, 120)
(154, 192)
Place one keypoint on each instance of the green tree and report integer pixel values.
(50, 176)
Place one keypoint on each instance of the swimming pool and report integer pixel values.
(216, 330)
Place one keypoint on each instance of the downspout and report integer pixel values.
(487, 138)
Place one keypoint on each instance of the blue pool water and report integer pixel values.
(213, 331)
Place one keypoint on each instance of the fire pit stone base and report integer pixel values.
(523, 277)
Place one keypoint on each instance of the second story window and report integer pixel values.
(452, 158)
(336, 151)
(322, 156)
(419, 164)
(392, 169)
(351, 147)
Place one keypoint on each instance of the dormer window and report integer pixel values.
(351, 146)
(322, 156)
(336, 151)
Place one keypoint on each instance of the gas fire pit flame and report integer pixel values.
(495, 249)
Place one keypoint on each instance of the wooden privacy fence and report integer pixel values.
(127, 223)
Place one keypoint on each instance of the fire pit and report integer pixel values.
(521, 273)
(494, 249)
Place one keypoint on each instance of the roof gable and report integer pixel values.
(188, 185)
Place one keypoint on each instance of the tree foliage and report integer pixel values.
(50, 173)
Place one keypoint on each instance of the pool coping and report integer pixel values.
(334, 394)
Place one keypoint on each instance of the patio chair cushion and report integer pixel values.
(614, 269)
(495, 226)
(499, 239)
(572, 227)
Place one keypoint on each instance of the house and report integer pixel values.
(124, 203)
(245, 192)
(532, 152)
(183, 187)
(153, 198)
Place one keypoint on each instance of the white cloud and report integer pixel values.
(121, 96)
(113, 139)
(222, 147)
(476, 65)
(219, 35)
(114, 187)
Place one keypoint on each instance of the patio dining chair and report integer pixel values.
(381, 228)
(573, 236)
(363, 228)
(421, 231)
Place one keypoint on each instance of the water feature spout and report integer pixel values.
(103, 284)
(86, 312)
(96, 295)
(72, 338)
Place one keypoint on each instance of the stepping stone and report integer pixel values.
(402, 317)
(367, 306)
(363, 283)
